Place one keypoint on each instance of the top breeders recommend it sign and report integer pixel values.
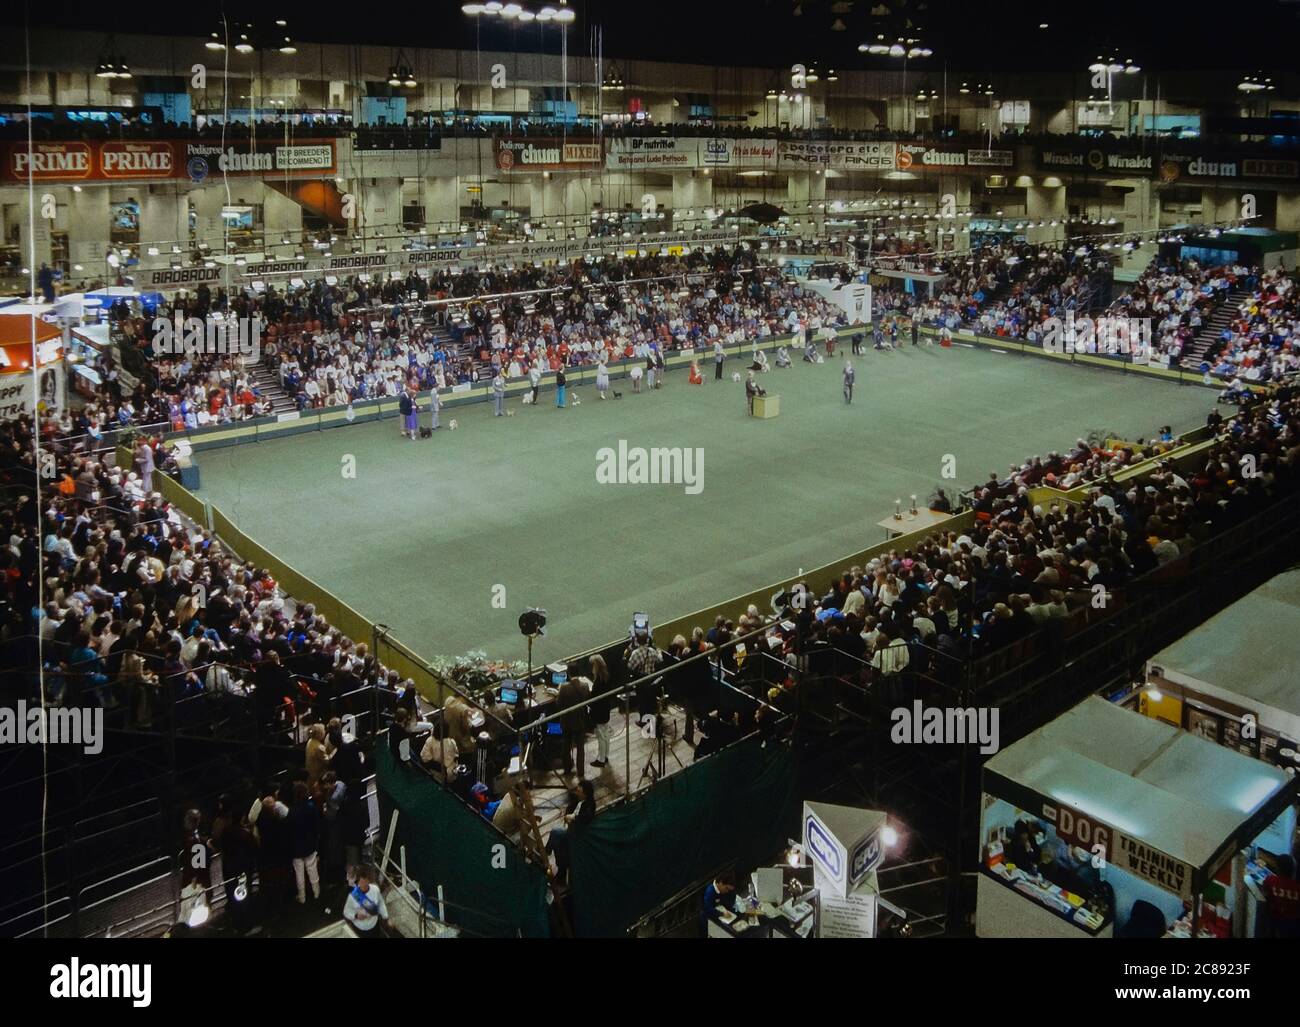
(159, 159)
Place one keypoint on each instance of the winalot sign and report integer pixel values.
(193, 336)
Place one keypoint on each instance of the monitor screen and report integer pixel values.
(509, 696)
(554, 728)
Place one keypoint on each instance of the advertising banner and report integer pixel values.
(929, 158)
(635, 153)
(846, 156)
(737, 153)
(1085, 159)
(118, 160)
(991, 158)
(1175, 167)
(546, 155)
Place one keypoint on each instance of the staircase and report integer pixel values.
(267, 384)
(1205, 343)
(1135, 262)
(319, 197)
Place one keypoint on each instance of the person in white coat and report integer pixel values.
(435, 405)
(499, 394)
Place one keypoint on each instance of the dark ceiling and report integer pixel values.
(1247, 36)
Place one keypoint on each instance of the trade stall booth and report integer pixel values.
(1103, 824)
(1233, 679)
(20, 391)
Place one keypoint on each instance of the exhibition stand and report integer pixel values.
(827, 888)
(1232, 681)
(1103, 824)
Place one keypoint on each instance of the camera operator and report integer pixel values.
(642, 661)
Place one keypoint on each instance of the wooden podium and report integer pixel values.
(767, 406)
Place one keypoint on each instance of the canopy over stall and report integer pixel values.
(1233, 679)
(1160, 811)
(20, 392)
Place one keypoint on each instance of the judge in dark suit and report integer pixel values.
(574, 693)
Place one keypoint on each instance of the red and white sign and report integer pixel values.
(1078, 829)
(117, 160)
(49, 162)
(136, 160)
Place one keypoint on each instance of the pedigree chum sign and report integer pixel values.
(546, 155)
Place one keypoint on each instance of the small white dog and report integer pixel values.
(510, 413)
(454, 424)
(736, 376)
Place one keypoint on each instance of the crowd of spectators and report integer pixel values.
(422, 131)
(333, 344)
(1260, 343)
(123, 604)
(1023, 567)
(122, 623)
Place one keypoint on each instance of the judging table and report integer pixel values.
(910, 522)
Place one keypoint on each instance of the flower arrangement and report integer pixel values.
(474, 673)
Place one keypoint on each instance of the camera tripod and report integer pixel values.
(665, 728)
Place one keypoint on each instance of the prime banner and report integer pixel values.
(163, 279)
(117, 160)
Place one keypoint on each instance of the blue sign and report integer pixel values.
(197, 168)
(866, 857)
(823, 848)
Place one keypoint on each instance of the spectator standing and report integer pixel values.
(304, 832)
(600, 708)
(144, 464)
(406, 405)
(574, 693)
